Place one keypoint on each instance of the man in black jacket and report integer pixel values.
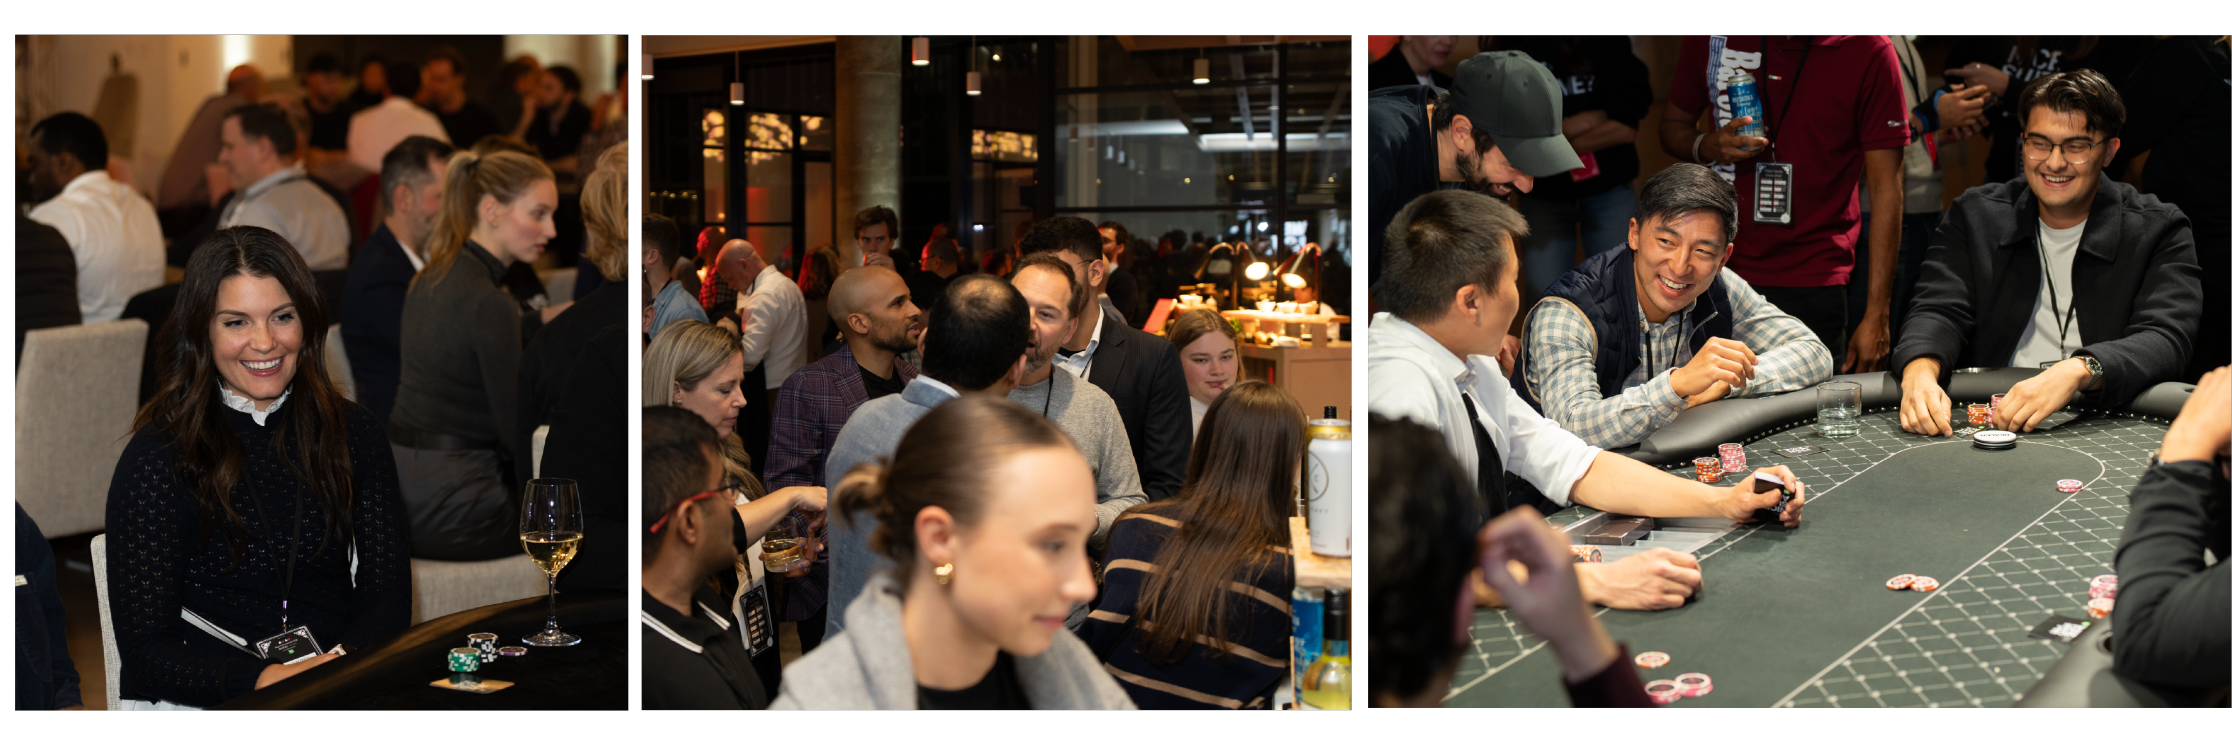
(1138, 370)
(1412, 58)
(2171, 610)
(1498, 126)
(46, 281)
(371, 313)
(2118, 305)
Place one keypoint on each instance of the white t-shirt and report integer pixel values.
(2042, 340)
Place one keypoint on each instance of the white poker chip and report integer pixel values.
(1994, 436)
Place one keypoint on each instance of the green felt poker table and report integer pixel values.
(1802, 617)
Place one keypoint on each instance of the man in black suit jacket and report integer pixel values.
(46, 281)
(1139, 371)
(371, 314)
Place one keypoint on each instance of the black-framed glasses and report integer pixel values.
(2076, 151)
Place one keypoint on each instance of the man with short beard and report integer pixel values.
(1083, 411)
(872, 308)
(1498, 126)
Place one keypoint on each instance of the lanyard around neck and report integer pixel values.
(1775, 126)
(2053, 298)
(286, 583)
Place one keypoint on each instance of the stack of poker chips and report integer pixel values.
(464, 660)
(1913, 582)
(2070, 485)
(512, 652)
(2103, 587)
(1993, 414)
(1663, 692)
(1708, 470)
(1587, 554)
(485, 643)
(1732, 458)
(2100, 607)
(1993, 439)
(1694, 684)
(1979, 415)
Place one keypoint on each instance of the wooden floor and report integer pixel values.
(73, 577)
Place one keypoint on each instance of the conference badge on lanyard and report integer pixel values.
(1773, 189)
(289, 647)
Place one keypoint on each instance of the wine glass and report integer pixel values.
(550, 529)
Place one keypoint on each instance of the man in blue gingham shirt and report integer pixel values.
(1686, 329)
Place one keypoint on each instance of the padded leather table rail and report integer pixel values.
(591, 675)
(1801, 617)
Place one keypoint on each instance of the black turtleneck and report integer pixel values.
(159, 563)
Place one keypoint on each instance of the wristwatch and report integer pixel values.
(2092, 365)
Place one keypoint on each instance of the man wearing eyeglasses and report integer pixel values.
(2120, 298)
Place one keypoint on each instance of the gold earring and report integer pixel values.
(944, 574)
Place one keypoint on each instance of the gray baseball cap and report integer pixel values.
(1517, 101)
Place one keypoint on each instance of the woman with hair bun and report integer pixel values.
(983, 511)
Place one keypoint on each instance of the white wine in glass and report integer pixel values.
(550, 530)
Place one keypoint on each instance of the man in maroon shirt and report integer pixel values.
(1833, 107)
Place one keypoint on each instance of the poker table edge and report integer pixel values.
(1698, 432)
(301, 692)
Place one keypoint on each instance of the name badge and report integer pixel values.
(1772, 193)
(289, 647)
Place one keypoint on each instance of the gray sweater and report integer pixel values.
(1089, 417)
(871, 434)
(868, 666)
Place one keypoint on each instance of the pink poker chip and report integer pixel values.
(2069, 485)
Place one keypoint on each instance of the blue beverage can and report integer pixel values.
(1309, 628)
(1743, 102)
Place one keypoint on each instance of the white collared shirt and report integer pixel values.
(1412, 376)
(289, 204)
(411, 254)
(248, 406)
(1081, 364)
(112, 231)
(376, 129)
(933, 382)
(775, 334)
(1199, 410)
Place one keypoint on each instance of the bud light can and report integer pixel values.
(1743, 102)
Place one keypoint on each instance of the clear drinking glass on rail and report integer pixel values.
(550, 530)
(1837, 411)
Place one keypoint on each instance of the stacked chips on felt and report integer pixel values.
(1732, 458)
(1708, 470)
(485, 643)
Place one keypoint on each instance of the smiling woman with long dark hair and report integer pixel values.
(252, 499)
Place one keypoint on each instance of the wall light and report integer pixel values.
(921, 51)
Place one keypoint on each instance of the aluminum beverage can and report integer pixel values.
(1743, 102)
(1309, 630)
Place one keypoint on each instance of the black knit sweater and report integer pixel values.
(159, 563)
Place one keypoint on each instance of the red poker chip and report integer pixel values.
(1653, 659)
(1694, 684)
(2100, 607)
(1899, 582)
(1663, 691)
(2069, 485)
(2103, 591)
(2106, 578)
(1923, 584)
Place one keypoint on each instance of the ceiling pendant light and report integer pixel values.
(921, 55)
(976, 80)
(647, 66)
(1201, 69)
(736, 88)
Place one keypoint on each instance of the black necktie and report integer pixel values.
(1492, 502)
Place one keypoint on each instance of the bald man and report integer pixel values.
(773, 314)
(185, 185)
(879, 321)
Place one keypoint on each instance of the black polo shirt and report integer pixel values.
(697, 661)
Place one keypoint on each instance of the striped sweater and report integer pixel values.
(1259, 621)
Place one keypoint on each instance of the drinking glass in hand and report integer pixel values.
(784, 546)
(1837, 411)
(550, 529)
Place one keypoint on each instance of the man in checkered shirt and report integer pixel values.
(1678, 328)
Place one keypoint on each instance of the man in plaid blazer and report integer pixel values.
(879, 321)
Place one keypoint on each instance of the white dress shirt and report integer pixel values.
(1414, 377)
(1199, 410)
(1080, 365)
(775, 330)
(376, 129)
(2042, 339)
(112, 232)
(289, 204)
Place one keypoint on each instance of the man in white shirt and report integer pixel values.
(260, 151)
(375, 130)
(111, 230)
(774, 335)
(1451, 289)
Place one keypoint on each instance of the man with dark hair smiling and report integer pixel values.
(1082, 410)
(1704, 333)
(1450, 291)
(2120, 298)
(1498, 126)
